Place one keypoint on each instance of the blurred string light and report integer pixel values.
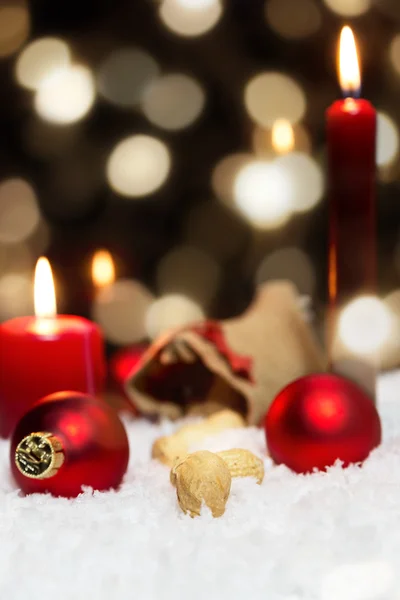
(138, 166)
(271, 96)
(16, 298)
(189, 271)
(19, 211)
(120, 310)
(365, 325)
(174, 310)
(40, 59)
(389, 354)
(224, 174)
(14, 25)
(349, 8)
(66, 95)
(268, 142)
(288, 263)
(190, 18)
(268, 192)
(103, 269)
(124, 75)
(387, 140)
(173, 101)
(263, 194)
(293, 19)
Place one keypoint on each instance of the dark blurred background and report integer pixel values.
(186, 138)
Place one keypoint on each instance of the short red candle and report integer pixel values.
(351, 131)
(39, 356)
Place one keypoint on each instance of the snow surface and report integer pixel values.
(330, 536)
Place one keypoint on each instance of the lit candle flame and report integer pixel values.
(44, 292)
(349, 68)
(282, 136)
(103, 270)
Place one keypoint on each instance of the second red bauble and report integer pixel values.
(318, 419)
(68, 440)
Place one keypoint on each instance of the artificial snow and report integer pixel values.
(326, 536)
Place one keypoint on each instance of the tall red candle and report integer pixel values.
(45, 354)
(351, 131)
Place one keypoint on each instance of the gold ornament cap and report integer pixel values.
(39, 455)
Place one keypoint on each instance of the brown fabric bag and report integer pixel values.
(240, 363)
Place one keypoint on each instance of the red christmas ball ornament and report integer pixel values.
(318, 419)
(68, 440)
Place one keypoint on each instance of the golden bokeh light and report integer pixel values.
(138, 166)
(174, 310)
(120, 309)
(263, 194)
(306, 180)
(288, 263)
(224, 175)
(365, 325)
(271, 96)
(14, 25)
(387, 148)
(103, 269)
(66, 95)
(349, 66)
(173, 101)
(190, 18)
(40, 59)
(189, 271)
(394, 53)
(19, 211)
(293, 19)
(282, 136)
(16, 299)
(349, 8)
(124, 75)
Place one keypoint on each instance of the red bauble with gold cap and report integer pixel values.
(66, 441)
(318, 419)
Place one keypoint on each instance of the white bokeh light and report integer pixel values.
(124, 75)
(190, 18)
(263, 194)
(138, 166)
(306, 179)
(271, 96)
(173, 101)
(66, 95)
(174, 310)
(349, 8)
(40, 59)
(387, 147)
(19, 211)
(120, 310)
(365, 325)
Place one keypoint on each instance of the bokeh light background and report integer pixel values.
(185, 139)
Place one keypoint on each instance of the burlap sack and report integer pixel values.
(240, 363)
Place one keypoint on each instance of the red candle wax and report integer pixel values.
(351, 127)
(39, 357)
